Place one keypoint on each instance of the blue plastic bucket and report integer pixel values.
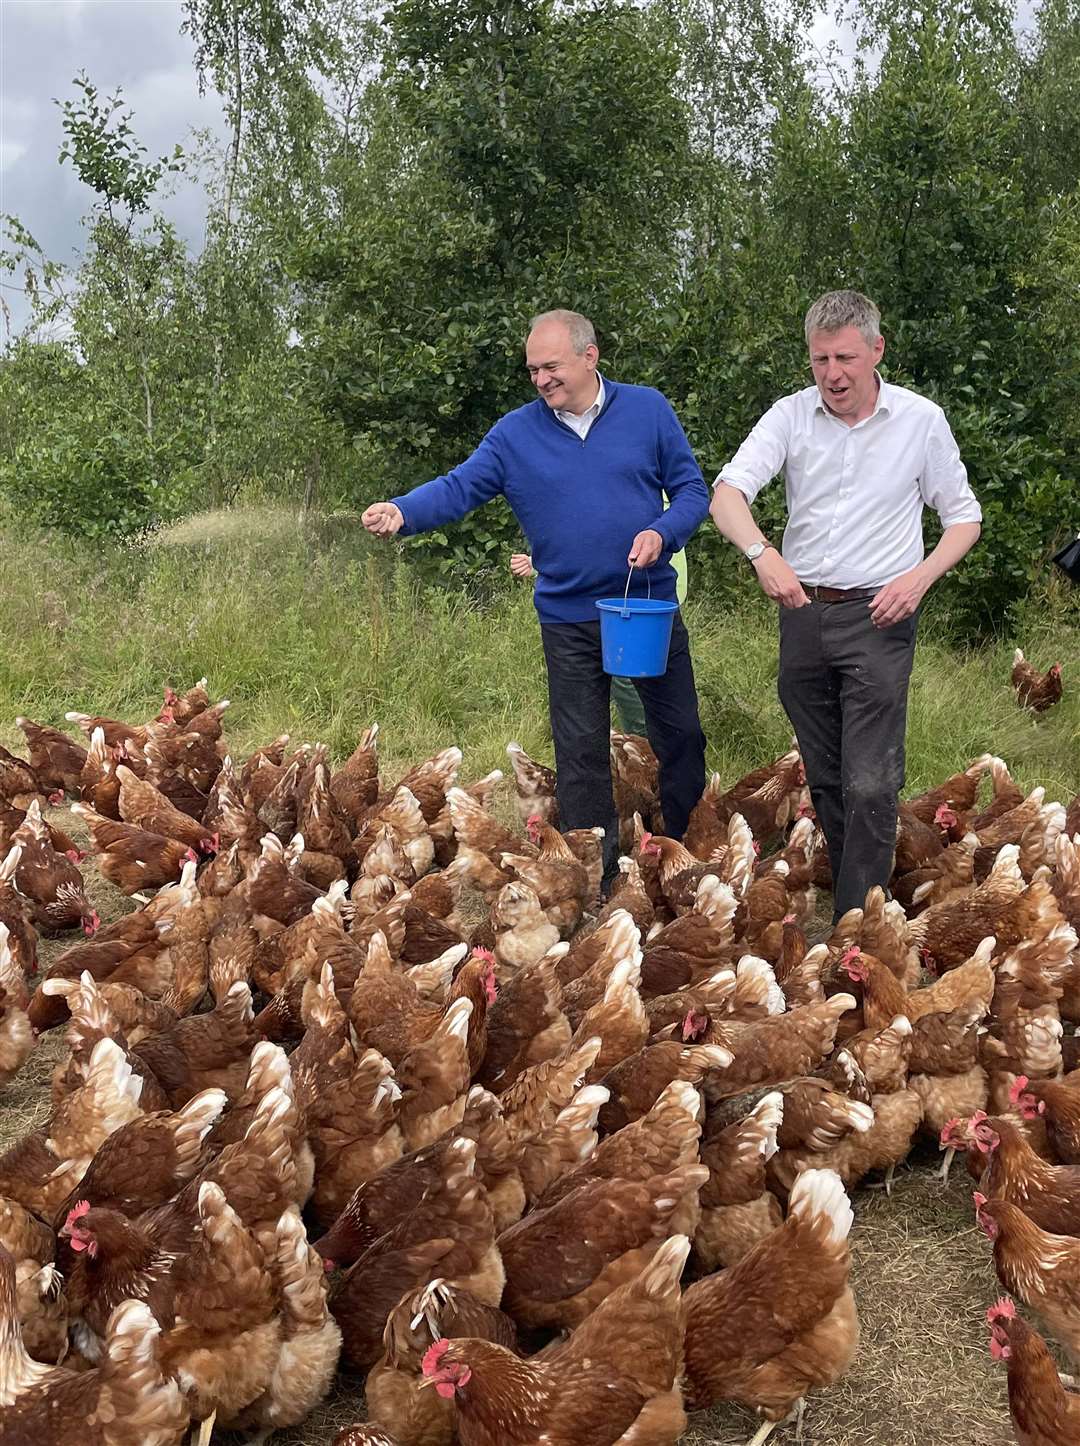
(635, 635)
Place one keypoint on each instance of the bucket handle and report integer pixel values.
(625, 610)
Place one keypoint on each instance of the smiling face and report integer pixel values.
(843, 363)
(565, 378)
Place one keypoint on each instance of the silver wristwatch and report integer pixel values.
(754, 551)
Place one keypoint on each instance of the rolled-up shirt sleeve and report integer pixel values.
(761, 456)
(944, 482)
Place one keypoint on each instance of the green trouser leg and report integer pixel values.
(628, 706)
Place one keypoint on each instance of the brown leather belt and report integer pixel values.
(838, 594)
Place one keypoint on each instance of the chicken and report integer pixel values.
(766, 798)
(184, 707)
(19, 784)
(22, 936)
(310, 1337)
(656, 1144)
(693, 945)
(1035, 690)
(56, 759)
(40, 1169)
(679, 872)
(534, 787)
(17, 1035)
(635, 783)
(131, 858)
(523, 931)
(1005, 796)
(1057, 1104)
(636, 1083)
(781, 1046)
(1043, 1412)
(127, 1400)
(145, 807)
(203, 1275)
(448, 1233)
(947, 934)
(385, 1197)
(427, 1315)
(563, 1260)
(618, 1020)
(355, 784)
(204, 1051)
(53, 887)
(148, 1160)
(434, 1078)
(737, 1209)
(547, 1157)
(387, 1009)
(526, 1023)
(1036, 1265)
(559, 880)
(957, 793)
(1050, 1194)
(481, 842)
(782, 1319)
(944, 1066)
(948, 875)
(615, 1380)
(43, 1310)
(352, 1125)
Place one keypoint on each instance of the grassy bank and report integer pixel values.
(319, 630)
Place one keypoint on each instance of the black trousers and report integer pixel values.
(579, 699)
(844, 685)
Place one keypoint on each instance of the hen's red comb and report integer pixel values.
(481, 953)
(1002, 1309)
(77, 1211)
(433, 1355)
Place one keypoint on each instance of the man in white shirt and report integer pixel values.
(860, 458)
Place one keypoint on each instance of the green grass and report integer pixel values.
(318, 630)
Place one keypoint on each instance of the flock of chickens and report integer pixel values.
(370, 1081)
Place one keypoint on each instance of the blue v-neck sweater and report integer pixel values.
(580, 504)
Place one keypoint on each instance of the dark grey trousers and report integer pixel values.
(844, 685)
(579, 698)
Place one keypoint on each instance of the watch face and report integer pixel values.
(755, 550)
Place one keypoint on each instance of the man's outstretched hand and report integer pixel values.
(383, 519)
(645, 548)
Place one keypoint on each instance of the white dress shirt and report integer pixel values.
(581, 424)
(855, 495)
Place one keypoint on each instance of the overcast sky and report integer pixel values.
(135, 44)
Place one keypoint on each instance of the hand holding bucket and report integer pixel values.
(635, 633)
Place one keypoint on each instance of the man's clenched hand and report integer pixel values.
(645, 548)
(383, 519)
(899, 599)
(778, 580)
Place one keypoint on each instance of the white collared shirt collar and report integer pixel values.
(581, 424)
(881, 403)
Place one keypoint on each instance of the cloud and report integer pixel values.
(135, 44)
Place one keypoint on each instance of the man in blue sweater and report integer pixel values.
(585, 468)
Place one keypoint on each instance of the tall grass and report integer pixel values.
(318, 630)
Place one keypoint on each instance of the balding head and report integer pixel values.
(561, 356)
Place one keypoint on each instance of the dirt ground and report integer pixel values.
(922, 1276)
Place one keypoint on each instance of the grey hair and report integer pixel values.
(582, 332)
(837, 309)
